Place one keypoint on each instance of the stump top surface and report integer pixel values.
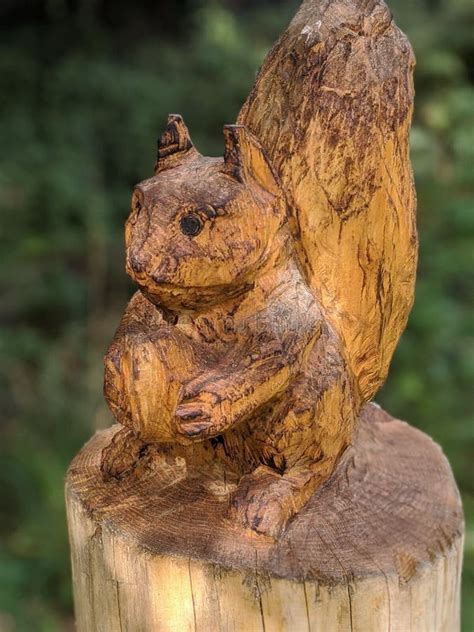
(391, 505)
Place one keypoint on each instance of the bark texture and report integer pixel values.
(378, 547)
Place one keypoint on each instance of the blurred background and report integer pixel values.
(85, 89)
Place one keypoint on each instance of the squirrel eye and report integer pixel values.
(191, 224)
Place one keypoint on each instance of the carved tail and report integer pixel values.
(332, 106)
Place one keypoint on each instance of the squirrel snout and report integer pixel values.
(136, 264)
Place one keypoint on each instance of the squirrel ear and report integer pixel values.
(245, 158)
(174, 144)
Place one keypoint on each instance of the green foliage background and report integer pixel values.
(86, 86)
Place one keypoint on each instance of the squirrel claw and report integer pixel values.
(263, 502)
(194, 429)
(199, 418)
(193, 420)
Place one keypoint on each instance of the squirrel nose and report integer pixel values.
(137, 264)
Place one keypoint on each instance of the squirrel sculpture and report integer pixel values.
(273, 283)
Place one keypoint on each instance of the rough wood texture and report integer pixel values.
(332, 106)
(275, 282)
(225, 344)
(378, 547)
(244, 489)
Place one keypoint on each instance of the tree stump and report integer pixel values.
(378, 547)
(249, 487)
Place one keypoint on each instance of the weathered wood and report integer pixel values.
(225, 339)
(275, 282)
(332, 106)
(378, 547)
(244, 490)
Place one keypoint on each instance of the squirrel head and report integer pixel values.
(201, 229)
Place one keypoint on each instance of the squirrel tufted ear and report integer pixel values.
(245, 158)
(174, 144)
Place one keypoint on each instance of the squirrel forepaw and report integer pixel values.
(200, 417)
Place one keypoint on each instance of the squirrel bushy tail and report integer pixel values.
(332, 106)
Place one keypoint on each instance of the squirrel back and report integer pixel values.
(332, 107)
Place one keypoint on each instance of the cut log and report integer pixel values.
(378, 547)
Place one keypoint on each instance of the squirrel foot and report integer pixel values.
(264, 501)
(123, 455)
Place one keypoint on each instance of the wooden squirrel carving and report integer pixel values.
(274, 283)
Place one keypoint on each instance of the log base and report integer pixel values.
(378, 547)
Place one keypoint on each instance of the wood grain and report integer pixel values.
(249, 486)
(332, 106)
(275, 282)
(225, 343)
(378, 547)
